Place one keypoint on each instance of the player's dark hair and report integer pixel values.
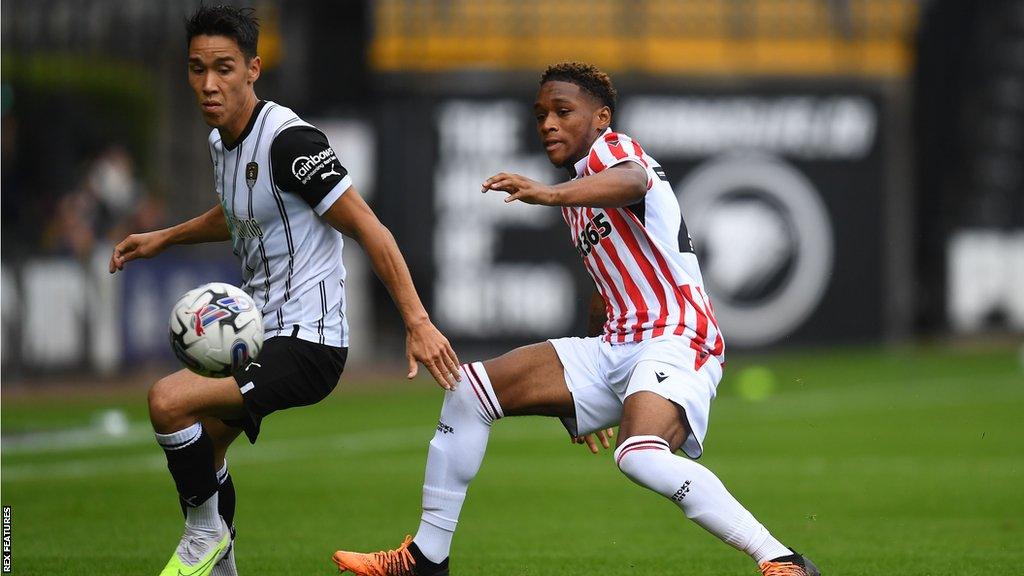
(233, 22)
(586, 76)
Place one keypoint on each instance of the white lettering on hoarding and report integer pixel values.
(476, 295)
(805, 127)
(985, 272)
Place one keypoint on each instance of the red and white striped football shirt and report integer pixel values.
(650, 287)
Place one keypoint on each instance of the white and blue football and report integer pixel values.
(216, 329)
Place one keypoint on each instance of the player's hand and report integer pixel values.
(520, 188)
(602, 435)
(425, 344)
(144, 245)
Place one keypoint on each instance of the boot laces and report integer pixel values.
(398, 562)
(190, 548)
(782, 569)
(194, 545)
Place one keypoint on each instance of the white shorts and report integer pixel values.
(600, 376)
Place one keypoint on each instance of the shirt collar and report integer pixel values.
(581, 165)
(248, 126)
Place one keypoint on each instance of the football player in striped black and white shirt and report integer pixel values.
(283, 200)
(651, 365)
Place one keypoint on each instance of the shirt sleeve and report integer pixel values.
(615, 148)
(303, 163)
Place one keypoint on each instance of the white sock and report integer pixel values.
(204, 516)
(454, 458)
(180, 439)
(647, 461)
(222, 474)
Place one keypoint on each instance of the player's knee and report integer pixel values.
(626, 465)
(165, 404)
(475, 395)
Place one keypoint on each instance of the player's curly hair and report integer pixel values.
(586, 76)
(236, 23)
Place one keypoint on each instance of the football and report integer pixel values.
(215, 329)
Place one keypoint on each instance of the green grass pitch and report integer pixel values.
(873, 463)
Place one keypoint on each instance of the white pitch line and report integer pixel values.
(75, 439)
(266, 451)
(386, 440)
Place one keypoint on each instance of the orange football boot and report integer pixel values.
(793, 565)
(397, 562)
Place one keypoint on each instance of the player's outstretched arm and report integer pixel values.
(424, 343)
(618, 186)
(211, 226)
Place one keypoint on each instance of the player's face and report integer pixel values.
(568, 121)
(222, 80)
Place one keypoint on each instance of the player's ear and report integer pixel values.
(603, 118)
(253, 69)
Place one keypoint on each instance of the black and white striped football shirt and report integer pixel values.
(274, 183)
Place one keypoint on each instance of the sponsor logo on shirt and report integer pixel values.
(245, 227)
(305, 167)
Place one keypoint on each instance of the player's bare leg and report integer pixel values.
(652, 429)
(526, 381)
(181, 399)
(178, 404)
(530, 381)
(222, 436)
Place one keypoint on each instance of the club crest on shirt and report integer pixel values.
(252, 170)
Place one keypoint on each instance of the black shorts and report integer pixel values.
(288, 372)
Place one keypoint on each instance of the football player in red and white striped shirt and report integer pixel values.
(651, 365)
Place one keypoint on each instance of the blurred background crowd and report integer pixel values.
(852, 171)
